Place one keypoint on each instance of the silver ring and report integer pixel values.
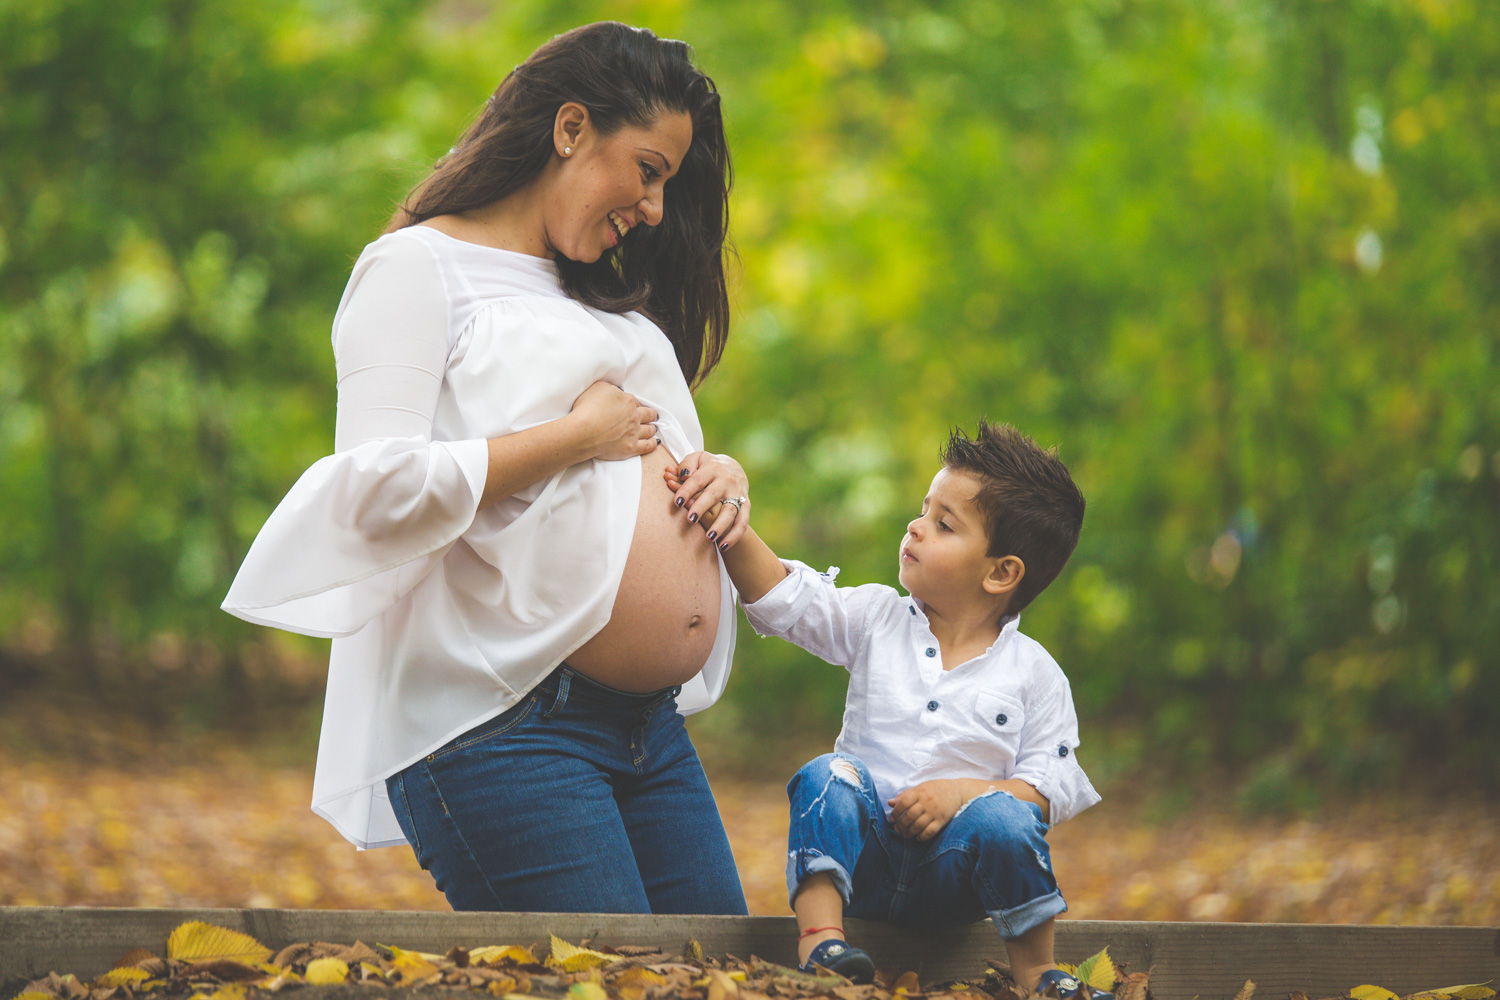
(737, 501)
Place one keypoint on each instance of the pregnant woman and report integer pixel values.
(518, 621)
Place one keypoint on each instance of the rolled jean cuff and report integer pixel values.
(1033, 913)
(800, 864)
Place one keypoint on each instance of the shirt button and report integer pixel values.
(931, 651)
(932, 706)
(1000, 719)
(1062, 751)
(912, 610)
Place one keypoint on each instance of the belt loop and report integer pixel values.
(563, 677)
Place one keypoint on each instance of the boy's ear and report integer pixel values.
(1005, 575)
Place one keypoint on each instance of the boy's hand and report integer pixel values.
(921, 812)
(703, 482)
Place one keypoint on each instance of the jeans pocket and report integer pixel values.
(395, 787)
(489, 729)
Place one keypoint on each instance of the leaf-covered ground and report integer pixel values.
(206, 962)
(229, 830)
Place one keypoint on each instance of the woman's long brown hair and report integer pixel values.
(672, 272)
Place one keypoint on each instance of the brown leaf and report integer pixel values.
(155, 967)
(134, 957)
(293, 954)
(356, 953)
(1247, 991)
(907, 982)
(637, 949)
(459, 956)
(1296, 995)
(1134, 988)
(223, 970)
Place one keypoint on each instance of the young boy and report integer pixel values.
(959, 733)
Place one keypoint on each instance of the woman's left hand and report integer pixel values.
(702, 482)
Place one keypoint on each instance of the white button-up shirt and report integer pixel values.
(443, 615)
(1007, 713)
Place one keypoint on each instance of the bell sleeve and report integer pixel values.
(363, 526)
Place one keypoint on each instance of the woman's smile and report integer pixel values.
(621, 226)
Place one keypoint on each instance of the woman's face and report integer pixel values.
(607, 185)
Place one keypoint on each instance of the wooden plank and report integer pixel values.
(1186, 959)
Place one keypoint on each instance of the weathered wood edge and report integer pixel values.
(1208, 960)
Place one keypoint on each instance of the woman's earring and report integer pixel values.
(567, 150)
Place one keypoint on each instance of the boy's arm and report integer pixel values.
(923, 810)
(1048, 756)
(828, 621)
(753, 567)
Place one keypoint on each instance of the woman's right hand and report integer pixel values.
(613, 423)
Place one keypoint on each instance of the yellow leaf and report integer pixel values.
(695, 949)
(587, 991)
(571, 958)
(369, 971)
(641, 976)
(500, 952)
(1071, 970)
(122, 977)
(234, 991)
(1098, 971)
(1372, 993)
(413, 965)
(722, 987)
(1248, 990)
(326, 971)
(34, 995)
(279, 982)
(1473, 991)
(196, 941)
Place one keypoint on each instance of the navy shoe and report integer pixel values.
(854, 964)
(1066, 987)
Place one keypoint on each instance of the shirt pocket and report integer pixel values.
(997, 722)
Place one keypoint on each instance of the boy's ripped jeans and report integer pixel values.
(991, 859)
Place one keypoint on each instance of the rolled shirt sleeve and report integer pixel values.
(808, 608)
(1048, 758)
(364, 525)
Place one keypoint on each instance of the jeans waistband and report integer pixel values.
(565, 682)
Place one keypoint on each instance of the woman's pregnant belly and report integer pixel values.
(666, 614)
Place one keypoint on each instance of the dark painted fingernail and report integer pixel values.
(692, 518)
(724, 546)
(679, 501)
(712, 535)
(682, 473)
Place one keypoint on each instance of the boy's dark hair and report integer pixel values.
(1031, 507)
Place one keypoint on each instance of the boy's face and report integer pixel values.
(943, 553)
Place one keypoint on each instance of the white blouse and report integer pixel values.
(443, 615)
(1007, 713)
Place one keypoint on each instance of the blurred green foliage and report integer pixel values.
(1240, 260)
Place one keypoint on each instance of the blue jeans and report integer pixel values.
(990, 860)
(580, 798)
